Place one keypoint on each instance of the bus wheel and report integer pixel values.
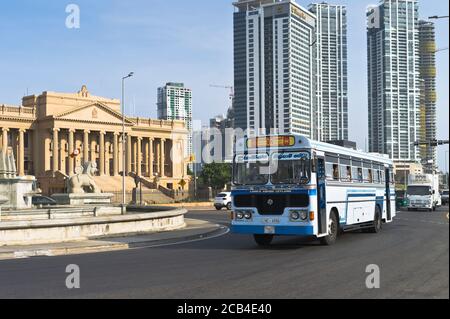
(377, 223)
(263, 240)
(333, 230)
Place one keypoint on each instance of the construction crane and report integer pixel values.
(231, 88)
(441, 49)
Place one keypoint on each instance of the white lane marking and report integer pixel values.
(185, 241)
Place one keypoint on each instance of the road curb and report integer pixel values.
(213, 230)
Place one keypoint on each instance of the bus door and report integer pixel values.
(388, 194)
(321, 195)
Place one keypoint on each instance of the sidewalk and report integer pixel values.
(195, 229)
(192, 206)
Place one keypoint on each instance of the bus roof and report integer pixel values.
(294, 142)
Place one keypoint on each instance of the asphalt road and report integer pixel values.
(412, 254)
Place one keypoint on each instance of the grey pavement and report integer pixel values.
(412, 254)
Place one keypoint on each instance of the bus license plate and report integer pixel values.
(271, 220)
(269, 230)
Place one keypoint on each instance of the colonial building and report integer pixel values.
(53, 133)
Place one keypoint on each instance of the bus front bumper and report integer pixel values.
(273, 230)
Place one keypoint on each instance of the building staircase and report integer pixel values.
(150, 195)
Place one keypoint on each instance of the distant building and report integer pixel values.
(175, 103)
(393, 78)
(224, 126)
(344, 143)
(51, 134)
(330, 71)
(402, 170)
(214, 143)
(273, 67)
(427, 121)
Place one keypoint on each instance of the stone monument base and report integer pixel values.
(83, 199)
(18, 191)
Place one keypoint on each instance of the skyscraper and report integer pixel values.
(273, 56)
(428, 93)
(175, 103)
(331, 71)
(393, 78)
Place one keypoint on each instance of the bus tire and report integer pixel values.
(377, 222)
(263, 240)
(333, 230)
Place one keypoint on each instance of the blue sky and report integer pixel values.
(161, 41)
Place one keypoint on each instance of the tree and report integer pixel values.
(216, 175)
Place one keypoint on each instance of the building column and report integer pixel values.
(146, 159)
(55, 149)
(102, 153)
(163, 157)
(116, 154)
(5, 138)
(150, 157)
(128, 154)
(21, 155)
(71, 149)
(120, 159)
(139, 157)
(86, 146)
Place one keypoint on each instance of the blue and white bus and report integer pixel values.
(291, 185)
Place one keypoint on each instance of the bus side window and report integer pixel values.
(366, 174)
(346, 174)
(376, 176)
(360, 175)
(349, 173)
(329, 170)
(355, 174)
(336, 172)
(370, 180)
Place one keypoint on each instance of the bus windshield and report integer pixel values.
(251, 169)
(419, 190)
(285, 168)
(290, 168)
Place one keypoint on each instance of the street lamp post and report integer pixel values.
(123, 141)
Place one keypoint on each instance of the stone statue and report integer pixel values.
(7, 163)
(83, 181)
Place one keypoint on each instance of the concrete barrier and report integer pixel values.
(136, 221)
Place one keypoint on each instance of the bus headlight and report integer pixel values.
(244, 214)
(296, 215)
(248, 215)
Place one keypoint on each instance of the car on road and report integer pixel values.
(444, 197)
(40, 201)
(223, 200)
